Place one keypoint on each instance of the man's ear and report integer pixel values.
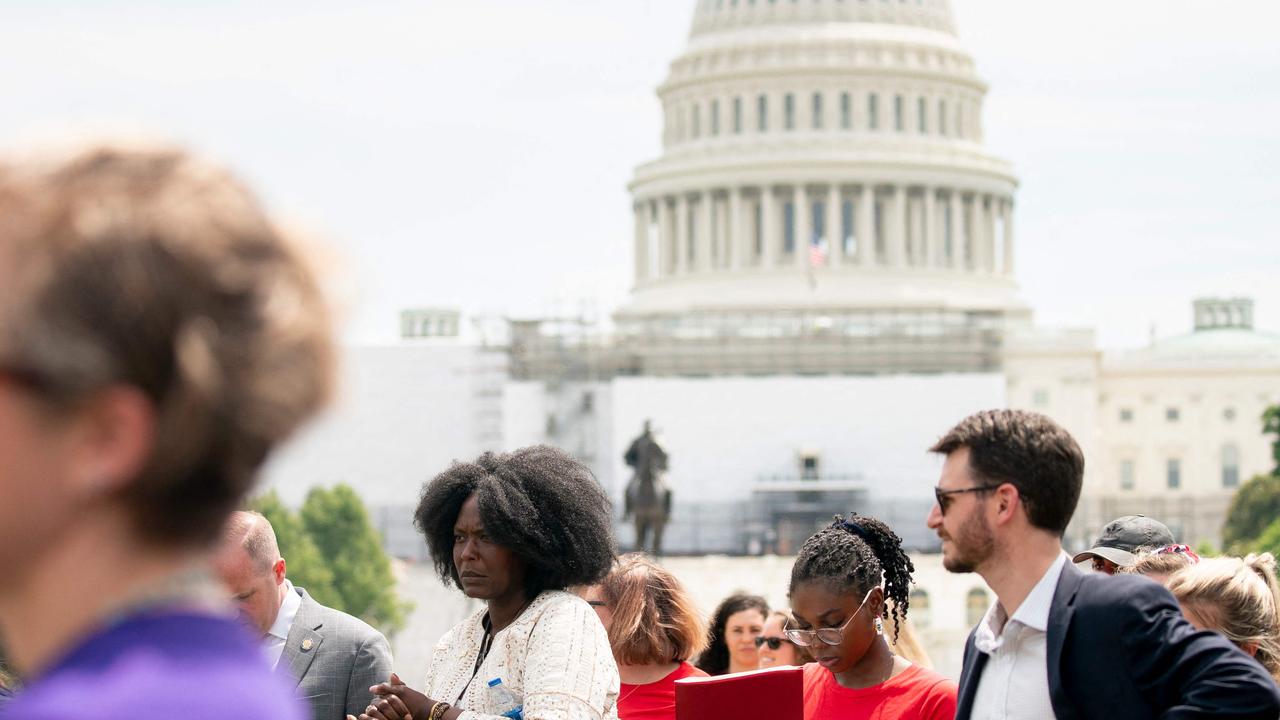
(1006, 502)
(115, 436)
(277, 570)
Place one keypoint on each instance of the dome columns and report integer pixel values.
(858, 225)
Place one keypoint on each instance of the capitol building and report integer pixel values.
(824, 283)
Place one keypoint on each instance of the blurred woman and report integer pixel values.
(654, 628)
(515, 531)
(904, 642)
(776, 649)
(839, 586)
(158, 338)
(731, 646)
(1237, 597)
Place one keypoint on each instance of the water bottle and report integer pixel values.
(510, 705)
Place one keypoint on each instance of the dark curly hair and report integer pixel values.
(854, 555)
(537, 502)
(715, 659)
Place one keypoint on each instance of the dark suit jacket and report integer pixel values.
(1118, 647)
(335, 658)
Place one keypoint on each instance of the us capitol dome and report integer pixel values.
(823, 202)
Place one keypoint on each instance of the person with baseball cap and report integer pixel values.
(1118, 545)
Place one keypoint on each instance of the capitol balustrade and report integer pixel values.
(823, 224)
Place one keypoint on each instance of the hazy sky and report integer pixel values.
(475, 153)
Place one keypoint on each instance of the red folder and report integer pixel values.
(775, 693)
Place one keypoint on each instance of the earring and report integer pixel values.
(879, 626)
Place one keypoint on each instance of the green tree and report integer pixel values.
(1254, 507)
(305, 566)
(1269, 541)
(337, 522)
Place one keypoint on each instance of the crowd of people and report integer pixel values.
(159, 336)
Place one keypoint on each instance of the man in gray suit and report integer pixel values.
(334, 657)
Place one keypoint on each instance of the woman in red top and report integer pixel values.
(654, 628)
(839, 584)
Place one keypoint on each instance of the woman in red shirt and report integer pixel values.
(839, 585)
(654, 628)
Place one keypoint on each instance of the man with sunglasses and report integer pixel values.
(1060, 642)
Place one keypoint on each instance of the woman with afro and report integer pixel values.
(840, 583)
(515, 530)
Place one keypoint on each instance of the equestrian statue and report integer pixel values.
(648, 499)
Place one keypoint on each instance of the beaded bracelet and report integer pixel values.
(438, 710)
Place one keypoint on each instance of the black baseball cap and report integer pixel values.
(1122, 536)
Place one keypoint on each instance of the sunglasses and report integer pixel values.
(830, 636)
(943, 497)
(774, 643)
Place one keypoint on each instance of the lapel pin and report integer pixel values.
(307, 644)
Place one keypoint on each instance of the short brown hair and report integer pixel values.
(654, 619)
(1029, 451)
(149, 268)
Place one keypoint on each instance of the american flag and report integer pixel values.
(817, 253)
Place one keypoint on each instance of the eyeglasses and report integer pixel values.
(944, 496)
(830, 636)
(597, 603)
(774, 643)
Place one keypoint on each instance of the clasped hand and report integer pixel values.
(393, 700)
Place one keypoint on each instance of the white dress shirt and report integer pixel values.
(273, 642)
(1015, 682)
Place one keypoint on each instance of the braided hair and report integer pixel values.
(854, 556)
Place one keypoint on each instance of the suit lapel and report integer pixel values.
(1060, 614)
(304, 640)
(974, 661)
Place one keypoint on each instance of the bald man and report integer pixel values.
(333, 656)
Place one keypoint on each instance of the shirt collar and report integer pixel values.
(1033, 613)
(288, 611)
(1034, 610)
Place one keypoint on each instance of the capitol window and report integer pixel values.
(873, 111)
(1126, 474)
(1229, 414)
(762, 113)
(919, 604)
(759, 227)
(696, 123)
(1172, 414)
(1173, 473)
(846, 111)
(976, 603)
(788, 227)
(922, 114)
(1040, 398)
(846, 227)
(942, 117)
(817, 111)
(737, 116)
(789, 112)
(898, 123)
(1230, 466)
(1126, 415)
(715, 117)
